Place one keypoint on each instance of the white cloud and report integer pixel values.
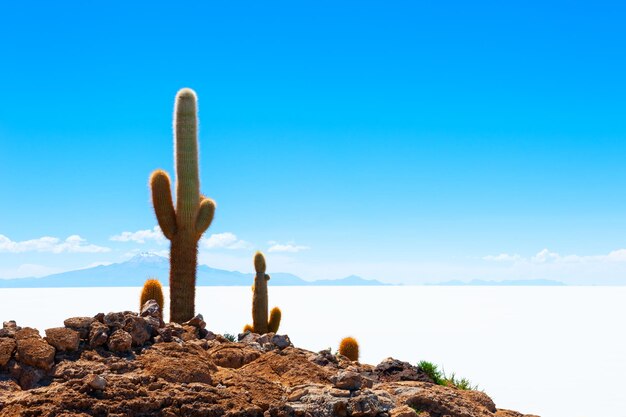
(224, 240)
(545, 256)
(72, 244)
(141, 236)
(288, 247)
(503, 257)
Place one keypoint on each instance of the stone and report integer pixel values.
(265, 339)
(98, 334)
(27, 333)
(390, 370)
(63, 339)
(176, 329)
(7, 333)
(151, 309)
(403, 411)
(369, 403)
(120, 341)
(35, 352)
(248, 337)
(139, 330)
(191, 333)
(165, 335)
(155, 324)
(209, 335)
(281, 341)
(26, 376)
(324, 358)
(80, 324)
(10, 324)
(95, 382)
(347, 380)
(115, 321)
(197, 321)
(7, 348)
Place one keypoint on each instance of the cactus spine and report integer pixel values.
(185, 224)
(152, 290)
(349, 348)
(260, 323)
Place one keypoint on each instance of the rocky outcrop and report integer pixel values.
(134, 365)
(63, 339)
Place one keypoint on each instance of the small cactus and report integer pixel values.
(349, 348)
(260, 322)
(152, 290)
(248, 328)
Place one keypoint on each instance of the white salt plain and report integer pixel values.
(551, 351)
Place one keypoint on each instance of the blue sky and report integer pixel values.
(394, 140)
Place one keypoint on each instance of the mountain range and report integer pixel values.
(136, 270)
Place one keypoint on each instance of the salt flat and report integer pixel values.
(552, 351)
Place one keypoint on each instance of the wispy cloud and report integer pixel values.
(224, 240)
(72, 244)
(287, 247)
(546, 256)
(141, 236)
(503, 257)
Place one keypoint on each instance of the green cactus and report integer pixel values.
(185, 224)
(260, 322)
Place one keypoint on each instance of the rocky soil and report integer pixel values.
(133, 365)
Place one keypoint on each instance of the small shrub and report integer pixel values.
(230, 337)
(461, 383)
(432, 371)
(440, 377)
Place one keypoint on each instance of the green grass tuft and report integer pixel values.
(440, 377)
(230, 337)
(432, 371)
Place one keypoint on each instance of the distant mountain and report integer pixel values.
(136, 270)
(511, 283)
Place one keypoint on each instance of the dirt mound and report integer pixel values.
(133, 365)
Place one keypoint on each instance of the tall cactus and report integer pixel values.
(260, 322)
(193, 215)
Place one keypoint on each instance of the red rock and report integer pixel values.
(35, 352)
(139, 330)
(98, 334)
(63, 339)
(27, 333)
(7, 348)
(80, 324)
(120, 341)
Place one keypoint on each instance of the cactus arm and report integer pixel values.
(274, 323)
(205, 216)
(162, 201)
(186, 159)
